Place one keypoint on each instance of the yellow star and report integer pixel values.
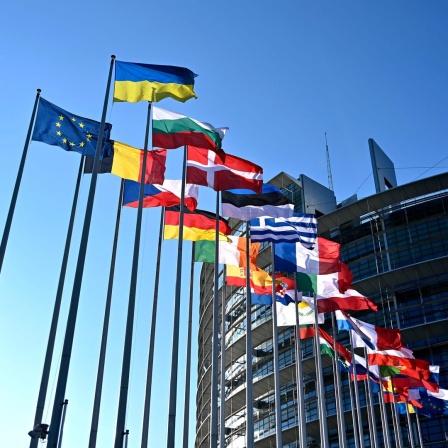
(89, 136)
(61, 117)
(73, 119)
(72, 144)
(59, 133)
(58, 124)
(82, 144)
(64, 140)
(81, 125)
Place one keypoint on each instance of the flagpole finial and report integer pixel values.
(39, 90)
(112, 56)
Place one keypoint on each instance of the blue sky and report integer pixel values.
(279, 76)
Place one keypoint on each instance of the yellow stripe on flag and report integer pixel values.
(191, 233)
(127, 161)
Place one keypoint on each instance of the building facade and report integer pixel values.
(396, 244)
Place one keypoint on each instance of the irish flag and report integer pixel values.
(171, 130)
(322, 259)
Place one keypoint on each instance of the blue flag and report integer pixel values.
(56, 126)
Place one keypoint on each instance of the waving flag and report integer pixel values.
(171, 130)
(231, 252)
(294, 257)
(377, 338)
(260, 283)
(126, 162)
(198, 225)
(299, 228)
(57, 127)
(246, 205)
(286, 314)
(222, 172)
(166, 195)
(402, 380)
(136, 82)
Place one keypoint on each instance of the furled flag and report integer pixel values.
(171, 130)
(126, 162)
(57, 127)
(260, 283)
(231, 252)
(198, 225)
(294, 257)
(223, 171)
(166, 195)
(136, 82)
(299, 228)
(327, 347)
(245, 204)
(377, 338)
(403, 358)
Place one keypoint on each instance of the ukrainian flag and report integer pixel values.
(138, 82)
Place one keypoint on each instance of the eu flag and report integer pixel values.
(56, 126)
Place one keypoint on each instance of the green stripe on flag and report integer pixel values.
(306, 282)
(204, 251)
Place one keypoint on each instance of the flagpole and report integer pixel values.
(188, 360)
(222, 414)
(152, 338)
(126, 366)
(398, 434)
(102, 358)
(278, 410)
(15, 192)
(338, 390)
(249, 373)
(370, 407)
(74, 301)
(301, 414)
(408, 416)
(56, 310)
(175, 351)
(320, 381)
(355, 385)
(352, 405)
(419, 429)
(64, 412)
(386, 433)
(215, 331)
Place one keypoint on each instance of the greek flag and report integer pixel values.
(299, 228)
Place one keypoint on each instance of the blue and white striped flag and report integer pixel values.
(299, 228)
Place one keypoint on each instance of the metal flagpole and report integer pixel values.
(64, 412)
(384, 420)
(398, 435)
(338, 390)
(215, 331)
(74, 301)
(352, 405)
(15, 192)
(100, 373)
(222, 414)
(188, 361)
(370, 407)
(249, 374)
(278, 404)
(301, 414)
(175, 352)
(355, 385)
(408, 416)
(126, 365)
(419, 429)
(57, 307)
(320, 382)
(152, 337)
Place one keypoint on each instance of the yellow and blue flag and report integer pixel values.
(57, 127)
(148, 82)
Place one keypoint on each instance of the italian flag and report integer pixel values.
(171, 130)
